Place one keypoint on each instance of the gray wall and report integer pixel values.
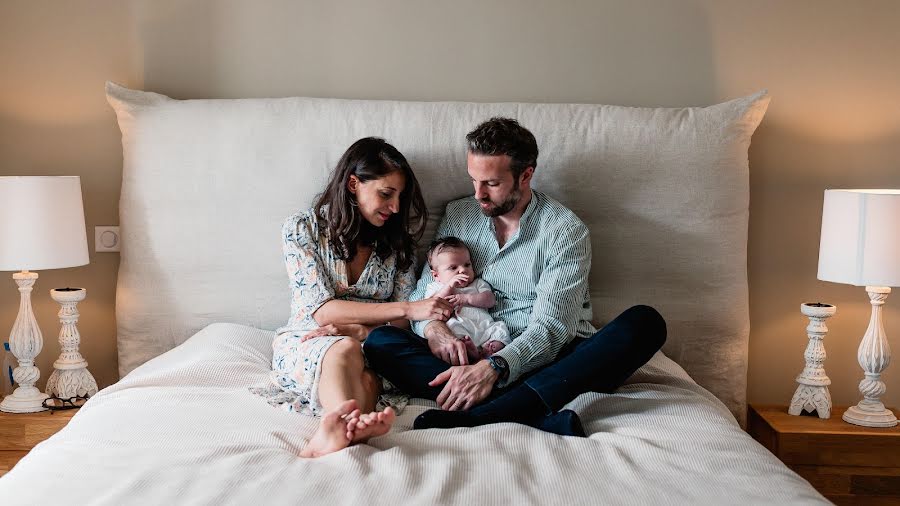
(831, 68)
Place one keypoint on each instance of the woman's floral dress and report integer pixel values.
(317, 276)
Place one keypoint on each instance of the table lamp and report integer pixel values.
(860, 245)
(41, 227)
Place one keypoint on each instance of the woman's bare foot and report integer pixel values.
(332, 434)
(363, 427)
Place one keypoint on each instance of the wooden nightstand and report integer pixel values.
(19, 432)
(847, 463)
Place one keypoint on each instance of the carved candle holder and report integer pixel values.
(70, 376)
(812, 394)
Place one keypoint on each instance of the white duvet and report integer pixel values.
(184, 429)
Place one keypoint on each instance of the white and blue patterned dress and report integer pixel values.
(317, 276)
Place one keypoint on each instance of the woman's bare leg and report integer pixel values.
(344, 387)
(342, 368)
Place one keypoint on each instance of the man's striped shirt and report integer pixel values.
(539, 277)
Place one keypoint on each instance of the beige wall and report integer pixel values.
(831, 67)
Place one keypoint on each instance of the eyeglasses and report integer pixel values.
(58, 404)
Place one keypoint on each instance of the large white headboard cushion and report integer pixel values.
(207, 184)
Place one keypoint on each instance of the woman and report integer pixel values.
(353, 248)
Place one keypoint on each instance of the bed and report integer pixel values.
(206, 185)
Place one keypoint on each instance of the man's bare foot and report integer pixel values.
(376, 423)
(332, 435)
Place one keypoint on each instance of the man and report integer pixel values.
(536, 254)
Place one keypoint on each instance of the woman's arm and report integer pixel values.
(355, 331)
(344, 311)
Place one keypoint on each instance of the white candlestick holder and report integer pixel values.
(812, 394)
(70, 377)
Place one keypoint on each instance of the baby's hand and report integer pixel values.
(459, 281)
(457, 300)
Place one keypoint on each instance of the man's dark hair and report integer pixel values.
(445, 243)
(505, 136)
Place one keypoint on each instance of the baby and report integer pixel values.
(451, 267)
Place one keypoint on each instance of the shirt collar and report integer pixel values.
(532, 205)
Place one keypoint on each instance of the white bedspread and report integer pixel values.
(183, 429)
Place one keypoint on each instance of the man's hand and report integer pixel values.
(446, 346)
(465, 386)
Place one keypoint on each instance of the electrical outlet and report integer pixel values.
(106, 239)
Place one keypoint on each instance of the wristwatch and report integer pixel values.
(499, 364)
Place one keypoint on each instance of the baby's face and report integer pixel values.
(450, 262)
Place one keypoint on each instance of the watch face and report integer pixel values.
(499, 364)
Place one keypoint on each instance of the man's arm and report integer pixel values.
(556, 311)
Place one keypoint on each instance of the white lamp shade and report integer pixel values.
(41, 223)
(860, 241)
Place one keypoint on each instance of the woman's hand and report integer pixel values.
(434, 308)
(324, 330)
(351, 330)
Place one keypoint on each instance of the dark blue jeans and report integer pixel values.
(600, 363)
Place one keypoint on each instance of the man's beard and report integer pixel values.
(506, 206)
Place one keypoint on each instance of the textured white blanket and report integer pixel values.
(183, 429)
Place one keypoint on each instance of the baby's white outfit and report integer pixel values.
(474, 322)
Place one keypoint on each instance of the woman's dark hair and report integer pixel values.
(505, 136)
(368, 159)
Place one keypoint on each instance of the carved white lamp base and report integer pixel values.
(874, 356)
(70, 376)
(25, 342)
(812, 394)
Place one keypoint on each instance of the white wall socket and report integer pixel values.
(106, 239)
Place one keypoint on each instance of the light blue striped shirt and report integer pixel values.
(539, 277)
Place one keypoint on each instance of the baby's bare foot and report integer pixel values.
(376, 423)
(332, 434)
(491, 347)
